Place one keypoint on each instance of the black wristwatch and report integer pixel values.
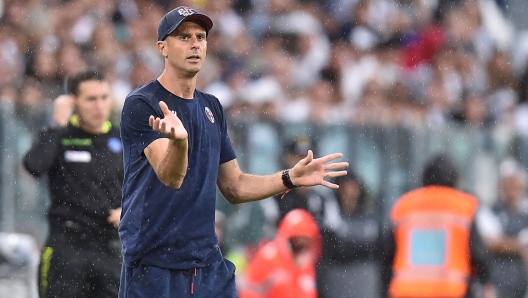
(286, 180)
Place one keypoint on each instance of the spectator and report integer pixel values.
(351, 231)
(82, 157)
(285, 267)
(473, 112)
(432, 246)
(504, 228)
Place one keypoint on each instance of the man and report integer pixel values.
(504, 228)
(285, 267)
(81, 153)
(351, 228)
(176, 151)
(433, 247)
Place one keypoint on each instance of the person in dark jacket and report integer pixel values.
(351, 230)
(504, 228)
(81, 155)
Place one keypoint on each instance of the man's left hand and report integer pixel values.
(309, 171)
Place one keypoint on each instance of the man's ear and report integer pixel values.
(75, 102)
(162, 48)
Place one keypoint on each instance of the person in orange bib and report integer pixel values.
(285, 267)
(432, 246)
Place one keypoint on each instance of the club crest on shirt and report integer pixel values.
(186, 11)
(209, 114)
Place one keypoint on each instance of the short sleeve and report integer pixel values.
(227, 152)
(135, 122)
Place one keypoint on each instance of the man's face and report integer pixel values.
(512, 188)
(300, 244)
(186, 48)
(93, 104)
(349, 192)
(303, 255)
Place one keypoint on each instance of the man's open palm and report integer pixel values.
(170, 126)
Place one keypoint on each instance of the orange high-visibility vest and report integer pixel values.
(431, 232)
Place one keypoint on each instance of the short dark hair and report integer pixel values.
(73, 82)
(440, 170)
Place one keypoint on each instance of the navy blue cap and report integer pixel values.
(175, 17)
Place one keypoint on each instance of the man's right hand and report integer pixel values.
(170, 126)
(62, 109)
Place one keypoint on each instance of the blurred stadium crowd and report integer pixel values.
(387, 62)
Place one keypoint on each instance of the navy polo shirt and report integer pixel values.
(161, 226)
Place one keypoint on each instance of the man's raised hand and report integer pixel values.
(170, 126)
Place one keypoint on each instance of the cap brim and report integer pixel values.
(203, 19)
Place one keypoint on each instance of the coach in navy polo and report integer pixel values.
(176, 152)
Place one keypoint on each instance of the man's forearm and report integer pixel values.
(251, 188)
(172, 167)
(42, 153)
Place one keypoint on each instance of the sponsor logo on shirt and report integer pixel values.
(209, 114)
(76, 142)
(77, 156)
(114, 144)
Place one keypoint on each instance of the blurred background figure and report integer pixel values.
(220, 221)
(504, 228)
(432, 233)
(285, 267)
(19, 257)
(351, 230)
(307, 198)
(80, 155)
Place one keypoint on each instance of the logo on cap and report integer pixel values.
(186, 11)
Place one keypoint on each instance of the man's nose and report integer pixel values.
(195, 43)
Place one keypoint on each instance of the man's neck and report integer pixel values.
(77, 121)
(92, 130)
(177, 84)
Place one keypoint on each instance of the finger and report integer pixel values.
(335, 174)
(156, 124)
(329, 184)
(151, 120)
(331, 157)
(153, 125)
(337, 165)
(163, 127)
(164, 108)
(173, 132)
(308, 159)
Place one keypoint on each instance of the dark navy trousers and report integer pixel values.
(214, 281)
